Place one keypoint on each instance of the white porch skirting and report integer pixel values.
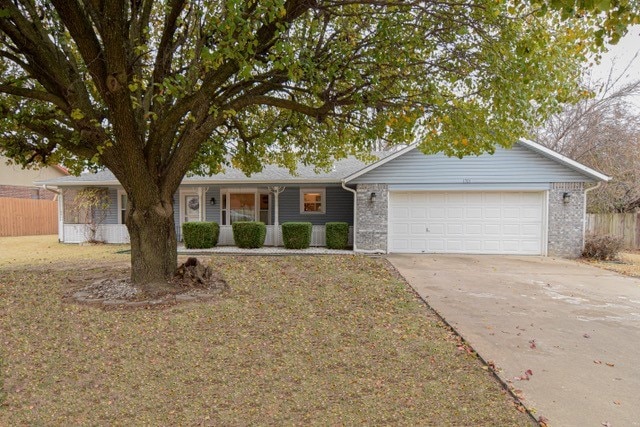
(117, 233)
(108, 233)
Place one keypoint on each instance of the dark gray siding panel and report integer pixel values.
(518, 164)
(212, 212)
(111, 214)
(339, 206)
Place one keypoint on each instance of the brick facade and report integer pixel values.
(566, 220)
(371, 217)
(20, 192)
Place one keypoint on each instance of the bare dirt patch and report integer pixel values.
(193, 281)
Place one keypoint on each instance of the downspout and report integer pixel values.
(584, 220)
(57, 192)
(355, 213)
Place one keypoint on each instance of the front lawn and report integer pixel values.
(299, 340)
(628, 263)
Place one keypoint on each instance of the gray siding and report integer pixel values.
(212, 212)
(517, 165)
(339, 206)
(112, 210)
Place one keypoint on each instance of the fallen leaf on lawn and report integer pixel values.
(543, 421)
(597, 362)
(532, 343)
(528, 372)
(521, 408)
(610, 364)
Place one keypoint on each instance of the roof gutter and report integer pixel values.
(44, 186)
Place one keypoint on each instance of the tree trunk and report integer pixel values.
(153, 246)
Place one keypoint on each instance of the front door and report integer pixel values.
(190, 207)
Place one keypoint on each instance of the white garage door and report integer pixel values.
(466, 222)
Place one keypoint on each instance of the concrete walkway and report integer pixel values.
(265, 250)
(576, 327)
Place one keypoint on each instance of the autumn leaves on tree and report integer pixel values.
(155, 89)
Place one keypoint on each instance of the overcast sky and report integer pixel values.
(619, 56)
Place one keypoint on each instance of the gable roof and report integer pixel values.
(549, 153)
(344, 170)
(533, 146)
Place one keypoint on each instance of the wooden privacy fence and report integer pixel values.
(28, 217)
(624, 225)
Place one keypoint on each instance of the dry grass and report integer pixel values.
(300, 340)
(44, 250)
(629, 264)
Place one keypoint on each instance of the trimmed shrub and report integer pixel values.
(601, 247)
(200, 234)
(337, 235)
(249, 234)
(296, 235)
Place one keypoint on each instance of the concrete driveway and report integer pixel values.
(576, 327)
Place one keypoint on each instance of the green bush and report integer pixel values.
(296, 235)
(337, 234)
(602, 247)
(249, 234)
(200, 235)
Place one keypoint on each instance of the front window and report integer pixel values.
(244, 204)
(312, 200)
(242, 207)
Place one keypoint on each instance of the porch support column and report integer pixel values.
(276, 220)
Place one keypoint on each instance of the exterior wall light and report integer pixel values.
(212, 201)
(372, 197)
(566, 197)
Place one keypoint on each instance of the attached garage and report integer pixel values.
(472, 222)
(526, 200)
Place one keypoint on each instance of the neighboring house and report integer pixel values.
(18, 183)
(526, 200)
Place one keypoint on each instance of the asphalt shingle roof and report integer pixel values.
(270, 174)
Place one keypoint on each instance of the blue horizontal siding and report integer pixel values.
(212, 212)
(515, 165)
(339, 206)
(112, 211)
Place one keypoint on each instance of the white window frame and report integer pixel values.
(121, 193)
(257, 192)
(323, 200)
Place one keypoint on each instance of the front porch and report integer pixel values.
(117, 233)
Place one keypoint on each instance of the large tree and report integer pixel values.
(154, 89)
(603, 132)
